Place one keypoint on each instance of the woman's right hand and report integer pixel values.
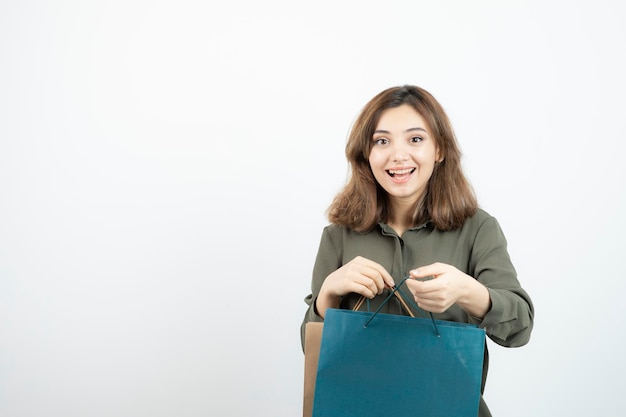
(361, 276)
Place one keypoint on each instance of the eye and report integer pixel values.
(381, 141)
(416, 139)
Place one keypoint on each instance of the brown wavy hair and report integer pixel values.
(449, 198)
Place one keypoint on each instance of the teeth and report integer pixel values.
(401, 171)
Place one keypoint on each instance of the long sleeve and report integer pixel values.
(509, 322)
(327, 261)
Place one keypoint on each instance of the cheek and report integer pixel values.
(426, 158)
(375, 160)
(377, 166)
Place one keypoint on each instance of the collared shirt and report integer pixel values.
(478, 248)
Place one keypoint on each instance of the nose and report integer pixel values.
(400, 151)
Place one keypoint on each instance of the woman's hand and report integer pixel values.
(449, 286)
(361, 275)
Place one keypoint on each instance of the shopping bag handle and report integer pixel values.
(395, 291)
(359, 303)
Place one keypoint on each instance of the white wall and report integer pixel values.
(165, 167)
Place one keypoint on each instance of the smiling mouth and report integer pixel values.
(400, 172)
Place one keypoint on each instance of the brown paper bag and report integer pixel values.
(312, 342)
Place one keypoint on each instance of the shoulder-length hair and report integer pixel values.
(448, 199)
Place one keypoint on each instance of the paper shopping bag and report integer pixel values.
(312, 342)
(389, 365)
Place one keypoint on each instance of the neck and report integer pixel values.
(401, 213)
(400, 218)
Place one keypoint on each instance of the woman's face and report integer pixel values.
(403, 154)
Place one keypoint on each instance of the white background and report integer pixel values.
(165, 167)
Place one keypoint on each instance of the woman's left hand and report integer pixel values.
(449, 286)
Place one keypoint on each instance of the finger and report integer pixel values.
(374, 282)
(363, 286)
(422, 302)
(422, 288)
(370, 271)
(426, 299)
(388, 279)
(432, 270)
(380, 274)
(432, 307)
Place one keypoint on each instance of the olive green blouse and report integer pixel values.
(478, 248)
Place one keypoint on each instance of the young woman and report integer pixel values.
(408, 209)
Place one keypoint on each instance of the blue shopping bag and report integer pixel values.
(374, 364)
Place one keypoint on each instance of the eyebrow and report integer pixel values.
(413, 129)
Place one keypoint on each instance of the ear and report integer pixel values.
(438, 157)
